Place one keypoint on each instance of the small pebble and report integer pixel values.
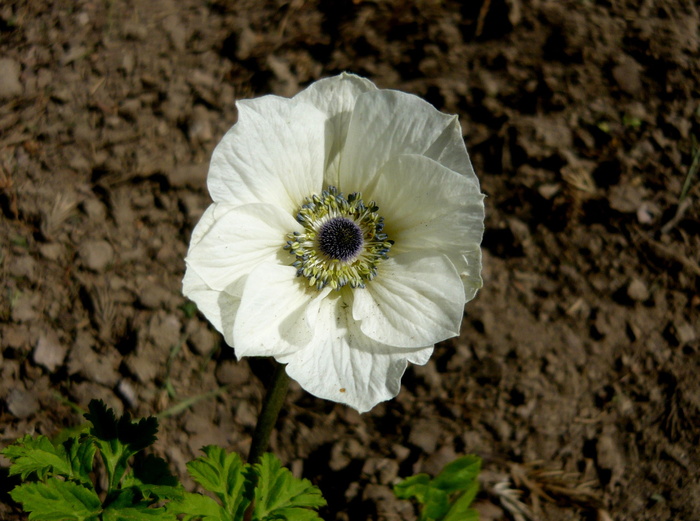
(10, 85)
(49, 352)
(97, 255)
(128, 393)
(685, 333)
(21, 403)
(638, 291)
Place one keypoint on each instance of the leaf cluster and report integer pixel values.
(449, 495)
(57, 479)
(267, 489)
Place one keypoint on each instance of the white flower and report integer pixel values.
(344, 237)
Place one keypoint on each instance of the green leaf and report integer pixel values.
(437, 504)
(37, 455)
(197, 506)
(81, 452)
(467, 515)
(460, 510)
(151, 475)
(413, 487)
(226, 476)
(140, 512)
(458, 475)
(449, 495)
(118, 440)
(435, 501)
(279, 495)
(129, 504)
(57, 500)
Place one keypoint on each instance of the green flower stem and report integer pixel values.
(274, 399)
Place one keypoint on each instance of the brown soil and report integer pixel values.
(581, 354)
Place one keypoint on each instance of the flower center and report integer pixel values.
(342, 242)
(340, 238)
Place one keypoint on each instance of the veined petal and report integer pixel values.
(238, 240)
(414, 301)
(206, 221)
(412, 190)
(277, 314)
(336, 98)
(387, 123)
(471, 273)
(217, 306)
(450, 151)
(274, 154)
(428, 207)
(344, 365)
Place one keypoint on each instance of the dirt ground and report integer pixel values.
(576, 374)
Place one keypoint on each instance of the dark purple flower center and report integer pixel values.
(340, 238)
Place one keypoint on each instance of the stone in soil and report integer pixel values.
(10, 85)
(21, 403)
(49, 351)
(96, 255)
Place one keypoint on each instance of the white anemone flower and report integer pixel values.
(344, 236)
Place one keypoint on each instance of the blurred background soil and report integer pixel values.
(576, 374)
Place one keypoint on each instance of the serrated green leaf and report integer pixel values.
(129, 504)
(118, 440)
(137, 513)
(279, 495)
(37, 455)
(226, 476)
(103, 420)
(149, 471)
(458, 475)
(81, 453)
(57, 500)
(137, 435)
(197, 506)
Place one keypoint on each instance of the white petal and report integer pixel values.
(239, 240)
(219, 307)
(412, 190)
(277, 312)
(343, 365)
(428, 207)
(206, 221)
(336, 98)
(450, 151)
(387, 123)
(274, 154)
(471, 274)
(414, 301)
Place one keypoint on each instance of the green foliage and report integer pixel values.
(57, 484)
(55, 499)
(279, 495)
(56, 476)
(275, 493)
(449, 495)
(118, 440)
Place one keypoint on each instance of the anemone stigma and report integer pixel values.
(343, 240)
